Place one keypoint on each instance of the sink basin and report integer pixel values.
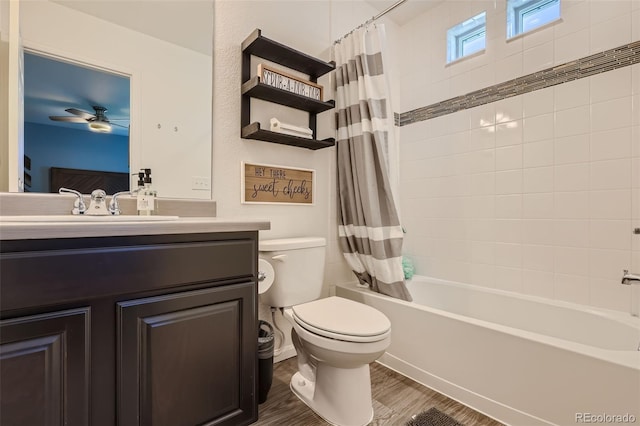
(85, 218)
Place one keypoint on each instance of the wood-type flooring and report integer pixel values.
(395, 399)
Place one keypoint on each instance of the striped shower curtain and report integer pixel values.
(369, 229)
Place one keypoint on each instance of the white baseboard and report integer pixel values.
(503, 413)
(286, 353)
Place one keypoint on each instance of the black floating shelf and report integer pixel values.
(255, 89)
(253, 131)
(271, 50)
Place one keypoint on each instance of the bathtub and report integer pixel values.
(521, 360)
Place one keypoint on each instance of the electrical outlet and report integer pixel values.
(202, 183)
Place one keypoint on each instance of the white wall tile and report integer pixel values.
(482, 138)
(508, 158)
(611, 174)
(573, 121)
(571, 205)
(538, 127)
(612, 33)
(608, 264)
(509, 279)
(537, 283)
(538, 231)
(483, 252)
(602, 11)
(509, 255)
(572, 94)
(610, 234)
(537, 206)
(572, 149)
(571, 261)
(508, 182)
(574, 18)
(610, 85)
(539, 179)
(609, 294)
(509, 133)
(508, 206)
(572, 177)
(571, 288)
(536, 193)
(571, 47)
(509, 109)
(509, 68)
(571, 233)
(611, 144)
(538, 102)
(537, 58)
(539, 258)
(612, 204)
(538, 154)
(508, 231)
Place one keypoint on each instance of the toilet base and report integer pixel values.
(341, 396)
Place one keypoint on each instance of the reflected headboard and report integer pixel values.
(86, 181)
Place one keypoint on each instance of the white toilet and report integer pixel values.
(335, 339)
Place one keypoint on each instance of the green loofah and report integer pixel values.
(407, 267)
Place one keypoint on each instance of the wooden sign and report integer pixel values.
(288, 82)
(270, 184)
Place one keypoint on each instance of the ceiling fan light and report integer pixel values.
(100, 127)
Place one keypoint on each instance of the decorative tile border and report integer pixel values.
(608, 60)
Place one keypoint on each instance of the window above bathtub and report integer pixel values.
(467, 37)
(526, 15)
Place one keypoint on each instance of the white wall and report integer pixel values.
(537, 193)
(170, 86)
(311, 27)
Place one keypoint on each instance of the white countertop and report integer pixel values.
(187, 225)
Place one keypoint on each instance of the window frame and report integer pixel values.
(517, 13)
(458, 35)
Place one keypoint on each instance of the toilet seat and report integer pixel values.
(342, 319)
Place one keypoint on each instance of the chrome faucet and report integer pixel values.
(79, 207)
(114, 207)
(98, 204)
(627, 278)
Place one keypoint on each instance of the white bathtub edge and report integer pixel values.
(479, 403)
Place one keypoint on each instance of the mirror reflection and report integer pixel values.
(164, 48)
(76, 127)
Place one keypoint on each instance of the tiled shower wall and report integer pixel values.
(537, 193)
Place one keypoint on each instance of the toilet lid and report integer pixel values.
(343, 319)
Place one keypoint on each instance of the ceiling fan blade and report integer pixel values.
(83, 114)
(67, 119)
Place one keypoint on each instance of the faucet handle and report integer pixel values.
(79, 207)
(114, 207)
(98, 195)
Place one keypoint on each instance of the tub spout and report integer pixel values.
(628, 278)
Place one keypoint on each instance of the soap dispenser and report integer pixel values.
(147, 196)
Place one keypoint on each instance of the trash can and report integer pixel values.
(265, 359)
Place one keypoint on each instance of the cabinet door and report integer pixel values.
(44, 369)
(188, 358)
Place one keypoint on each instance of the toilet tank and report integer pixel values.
(298, 265)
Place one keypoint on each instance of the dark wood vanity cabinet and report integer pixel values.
(139, 330)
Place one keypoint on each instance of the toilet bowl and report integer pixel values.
(335, 339)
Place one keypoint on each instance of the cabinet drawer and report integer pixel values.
(44, 277)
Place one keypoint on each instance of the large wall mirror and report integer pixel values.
(162, 48)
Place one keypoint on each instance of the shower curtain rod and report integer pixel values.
(379, 15)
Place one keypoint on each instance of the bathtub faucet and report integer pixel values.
(627, 278)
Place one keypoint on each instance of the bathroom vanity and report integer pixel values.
(129, 323)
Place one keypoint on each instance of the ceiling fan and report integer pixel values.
(97, 122)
